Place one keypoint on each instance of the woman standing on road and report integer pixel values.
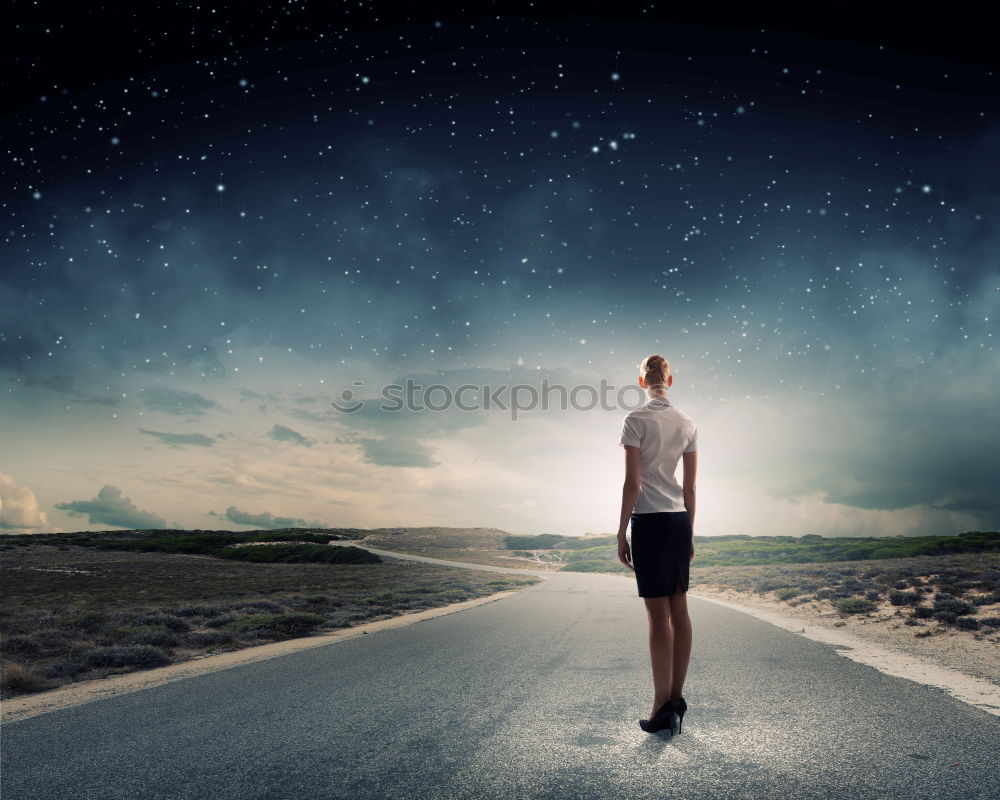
(655, 437)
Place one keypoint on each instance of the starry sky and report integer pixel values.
(224, 221)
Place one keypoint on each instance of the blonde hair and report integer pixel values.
(654, 370)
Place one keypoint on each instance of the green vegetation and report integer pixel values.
(299, 554)
(240, 547)
(743, 550)
(740, 550)
(544, 541)
(595, 566)
(855, 605)
(551, 541)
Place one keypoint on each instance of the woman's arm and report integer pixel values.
(630, 489)
(690, 469)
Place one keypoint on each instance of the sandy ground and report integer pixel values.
(84, 691)
(966, 664)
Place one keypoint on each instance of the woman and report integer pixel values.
(655, 437)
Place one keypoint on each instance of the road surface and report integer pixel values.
(537, 695)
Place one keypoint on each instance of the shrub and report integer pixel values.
(133, 655)
(263, 605)
(153, 636)
(169, 621)
(86, 621)
(904, 598)
(299, 553)
(900, 585)
(854, 605)
(55, 637)
(194, 611)
(923, 612)
(293, 624)
(952, 605)
(342, 619)
(769, 585)
(450, 596)
(945, 616)
(20, 678)
(787, 594)
(222, 620)
(63, 668)
(991, 622)
(388, 599)
(18, 643)
(967, 623)
(873, 594)
(209, 638)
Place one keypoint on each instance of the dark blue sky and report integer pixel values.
(218, 220)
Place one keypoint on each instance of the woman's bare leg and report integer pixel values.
(680, 622)
(661, 649)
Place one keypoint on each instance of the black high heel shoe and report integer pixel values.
(681, 707)
(664, 718)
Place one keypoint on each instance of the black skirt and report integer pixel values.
(661, 552)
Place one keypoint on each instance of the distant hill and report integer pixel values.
(589, 552)
(452, 538)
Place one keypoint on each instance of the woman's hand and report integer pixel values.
(625, 553)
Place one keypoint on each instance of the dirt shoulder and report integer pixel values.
(973, 653)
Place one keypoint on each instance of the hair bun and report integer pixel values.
(655, 368)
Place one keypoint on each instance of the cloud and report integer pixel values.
(914, 449)
(110, 508)
(19, 508)
(892, 449)
(282, 434)
(266, 520)
(175, 401)
(396, 452)
(178, 440)
(967, 505)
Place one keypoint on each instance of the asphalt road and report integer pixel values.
(537, 695)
